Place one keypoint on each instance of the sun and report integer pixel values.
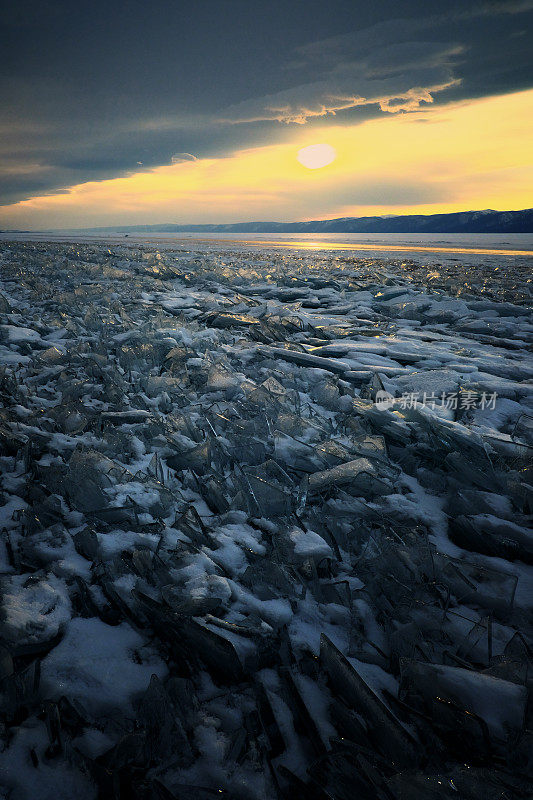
(316, 155)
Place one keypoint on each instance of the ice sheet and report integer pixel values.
(265, 520)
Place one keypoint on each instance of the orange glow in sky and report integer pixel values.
(468, 155)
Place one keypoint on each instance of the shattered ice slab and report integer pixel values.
(226, 567)
(501, 704)
(107, 665)
(359, 477)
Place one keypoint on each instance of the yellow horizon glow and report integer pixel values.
(467, 155)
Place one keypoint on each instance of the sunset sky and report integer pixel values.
(126, 113)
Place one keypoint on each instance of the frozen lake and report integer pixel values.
(265, 514)
(470, 248)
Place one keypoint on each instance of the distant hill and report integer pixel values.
(462, 222)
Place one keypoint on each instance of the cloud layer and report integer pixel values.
(442, 159)
(95, 92)
(382, 66)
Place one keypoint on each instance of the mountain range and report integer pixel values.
(487, 221)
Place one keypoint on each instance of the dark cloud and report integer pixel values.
(380, 66)
(93, 91)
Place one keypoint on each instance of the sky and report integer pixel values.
(117, 113)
